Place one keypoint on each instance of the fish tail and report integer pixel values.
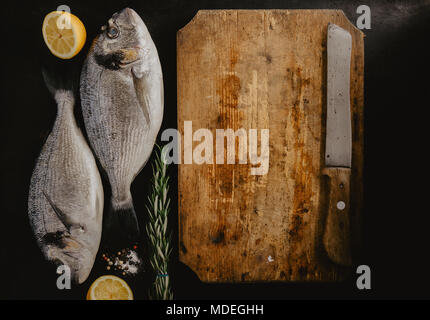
(61, 83)
(121, 226)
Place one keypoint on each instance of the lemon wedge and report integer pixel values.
(109, 287)
(64, 34)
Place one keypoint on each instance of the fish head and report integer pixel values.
(72, 250)
(123, 42)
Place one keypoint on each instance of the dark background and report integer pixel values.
(397, 93)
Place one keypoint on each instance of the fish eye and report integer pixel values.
(113, 32)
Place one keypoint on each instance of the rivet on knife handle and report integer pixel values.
(338, 146)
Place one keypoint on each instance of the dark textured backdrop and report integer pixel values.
(395, 232)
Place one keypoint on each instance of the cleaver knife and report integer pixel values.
(338, 147)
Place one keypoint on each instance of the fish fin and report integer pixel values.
(62, 82)
(121, 226)
(140, 94)
(61, 216)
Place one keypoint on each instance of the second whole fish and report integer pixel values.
(65, 204)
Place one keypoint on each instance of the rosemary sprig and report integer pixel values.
(159, 237)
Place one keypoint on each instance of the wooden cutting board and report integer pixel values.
(262, 69)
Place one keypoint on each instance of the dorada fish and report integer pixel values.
(122, 103)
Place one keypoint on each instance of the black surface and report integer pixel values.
(396, 217)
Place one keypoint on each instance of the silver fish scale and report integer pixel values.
(67, 174)
(122, 108)
(116, 128)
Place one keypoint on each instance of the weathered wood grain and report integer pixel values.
(262, 69)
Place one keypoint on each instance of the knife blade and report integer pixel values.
(338, 146)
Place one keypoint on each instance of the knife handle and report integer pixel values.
(337, 232)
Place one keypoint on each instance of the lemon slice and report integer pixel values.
(64, 34)
(109, 288)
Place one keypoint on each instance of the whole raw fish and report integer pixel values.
(122, 103)
(65, 204)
